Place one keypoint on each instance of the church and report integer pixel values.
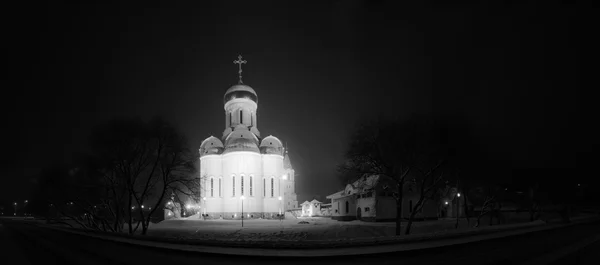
(242, 173)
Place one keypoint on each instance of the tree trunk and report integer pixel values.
(410, 221)
(399, 211)
(466, 206)
(130, 215)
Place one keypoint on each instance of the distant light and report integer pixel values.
(458, 194)
(242, 197)
(15, 203)
(280, 198)
(446, 203)
(26, 201)
(142, 206)
(132, 207)
(505, 188)
(578, 184)
(188, 206)
(204, 198)
(284, 176)
(169, 214)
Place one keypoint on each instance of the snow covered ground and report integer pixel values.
(317, 229)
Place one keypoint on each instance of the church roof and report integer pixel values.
(241, 140)
(287, 164)
(211, 145)
(240, 91)
(271, 145)
(240, 87)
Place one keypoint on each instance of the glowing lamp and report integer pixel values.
(188, 206)
(446, 203)
(142, 206)
(280, 198)
(458, 194)
(284, 176)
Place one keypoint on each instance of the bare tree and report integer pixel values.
(394, 149)
(375, 150)
(142, 160)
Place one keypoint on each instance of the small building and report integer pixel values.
(312, 208)
(373, 199)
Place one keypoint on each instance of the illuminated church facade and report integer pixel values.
(242, 169)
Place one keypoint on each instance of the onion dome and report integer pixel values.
(240, 91)
(271, 145)
(241, 140)
(210, 146)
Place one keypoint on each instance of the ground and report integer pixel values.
(291, 229)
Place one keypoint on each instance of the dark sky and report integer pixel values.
(510, 71)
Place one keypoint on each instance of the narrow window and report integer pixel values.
(272, 190)
(347, 207)
(264, 188)
(219, 187)
(211, 187)
(233, 185)
(367, 209)
(242, 180)
(250, 185)
(230, 119)
(241, 117)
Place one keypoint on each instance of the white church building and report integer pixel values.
(242, 171)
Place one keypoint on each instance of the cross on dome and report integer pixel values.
(239, 62)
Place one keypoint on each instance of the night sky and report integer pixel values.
(509, 71)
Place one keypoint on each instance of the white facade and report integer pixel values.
(242, 168)
(312, 208)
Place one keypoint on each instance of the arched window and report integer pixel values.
(219, 187)
(212, 194)
(250, 185)
(242, 181)
(272, 189)
(347, 207)
(233, 184)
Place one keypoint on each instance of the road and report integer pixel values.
(24, 243)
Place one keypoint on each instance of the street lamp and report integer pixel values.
(242, 198)
(279, 205)
(204, 199)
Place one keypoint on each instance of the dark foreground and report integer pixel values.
(23, 243)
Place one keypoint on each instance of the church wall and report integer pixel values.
(211, 167)
(240, 164)
(273, 169)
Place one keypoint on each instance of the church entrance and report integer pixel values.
(358, 214)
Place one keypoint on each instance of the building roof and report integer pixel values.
(287, 164)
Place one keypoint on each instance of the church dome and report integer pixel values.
(271, 145)
(241, 140)
(211, 145)
(240, 91)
